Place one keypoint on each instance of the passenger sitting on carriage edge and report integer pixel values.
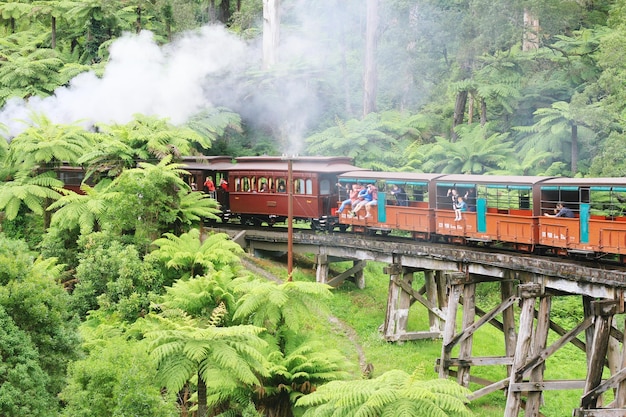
(369, 198)
(352, 198)
(373, 191)
(363, 197)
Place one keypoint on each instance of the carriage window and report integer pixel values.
(237, 184)
(298, 186)
(324, 187)
(245, 186)
(282, 185)
(309, 186)
(263, 185)
(608, 202)
(252, 185)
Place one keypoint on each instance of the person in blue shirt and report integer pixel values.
(459, 207)
(364, 197)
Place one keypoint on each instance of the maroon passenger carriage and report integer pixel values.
(259, 192)
(202, 167)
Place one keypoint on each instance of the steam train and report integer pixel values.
(502, 211)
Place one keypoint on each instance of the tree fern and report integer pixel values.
(86, 211)
(188, 254)
(270, 304)
(32, 192)
(394, 393)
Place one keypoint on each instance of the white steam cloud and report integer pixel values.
(205, 68)
(140, 77)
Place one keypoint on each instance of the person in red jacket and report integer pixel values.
(210, 186)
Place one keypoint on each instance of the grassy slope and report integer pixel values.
(363, 311)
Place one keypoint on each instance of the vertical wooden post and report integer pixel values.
(321, 273)
(541, 338)
(431, 295)
(390, 327)
(614, 354)
(469, 313)
(508, 322)
(603, 312)
(528, 294)
(620, 392)
(404, 303)
(588, 311)
(359, 276)
(455, 286)
(442, 290)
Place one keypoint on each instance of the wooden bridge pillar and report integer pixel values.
(535, 398)
(402, 295)
(322, 268)
(455, 288)
(355, 273)
(507, 291)
(603, 312)
(528, 294)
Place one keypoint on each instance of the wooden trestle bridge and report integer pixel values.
(527, 284)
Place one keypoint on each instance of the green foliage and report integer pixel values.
(111, 275)
(45, 144)
(30, 192)
(148, 202)
(27, 67)
(285, 306)
(192, 257)
(215, 124)
(116, 378)
(373, 142)
(63, 246)
(16, 259)
(40, 307)
(26, 225)
(201, 296)
(393, 393)
(222, 357)
(610, 160)
(478, 151)
(22, 380)
(86, 212)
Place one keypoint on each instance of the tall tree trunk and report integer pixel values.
(271, 32)
(370, 79)
(459, 111)
(483, 111)
(224, 16)
(574, 148)
(211, 12)
(347, 96)
(530, 40)
(138, 22)
(202, 406)
(53, 32)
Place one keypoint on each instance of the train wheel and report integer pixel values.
(343, 227)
